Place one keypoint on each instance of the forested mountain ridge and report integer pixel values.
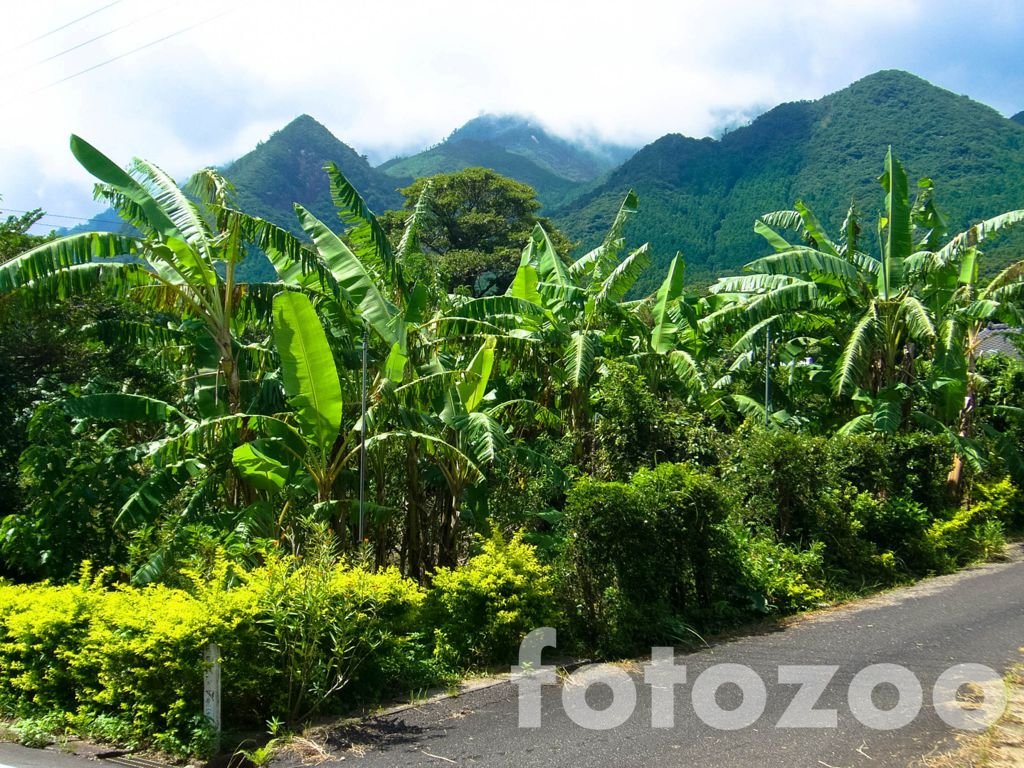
(702, 196)
(699, 196)
(288, 169)
(521, 149)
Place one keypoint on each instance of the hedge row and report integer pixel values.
(298, 636)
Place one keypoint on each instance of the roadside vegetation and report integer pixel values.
(182, 456)
(999, 746)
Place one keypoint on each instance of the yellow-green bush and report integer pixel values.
(297, 637)
(482, 611)
(971, 534)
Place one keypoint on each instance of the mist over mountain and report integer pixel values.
(556, 167)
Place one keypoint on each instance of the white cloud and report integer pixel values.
(396, 74)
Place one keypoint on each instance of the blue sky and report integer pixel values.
(395, 75)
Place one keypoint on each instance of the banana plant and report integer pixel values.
(183, 257)
(964, 306)
(861, 312)
(578, 312)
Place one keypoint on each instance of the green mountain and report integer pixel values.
(287, 168)
(1018, 118)
(702, 196)
(559, 169)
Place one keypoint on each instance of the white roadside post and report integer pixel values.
(211, 689)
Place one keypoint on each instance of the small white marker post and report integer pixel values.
(211, 688)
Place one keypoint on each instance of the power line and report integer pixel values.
(94, 39)
(48, 215)
(65, 26)
(134, 50)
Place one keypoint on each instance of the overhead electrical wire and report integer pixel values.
(94, 39)
(48, 215)
(94, 67)
(65, 26)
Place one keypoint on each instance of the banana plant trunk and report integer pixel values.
(965, 422)
(415, 546)
(447, 555)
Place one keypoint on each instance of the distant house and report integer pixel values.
(998, 338)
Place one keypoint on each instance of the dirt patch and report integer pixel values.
(1001, 746)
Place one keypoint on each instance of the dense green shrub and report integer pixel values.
(1001, 500)
(481, 611)
(642, 560)
(920, 467)
(784, 482)
(133, 656)
(969, 535)
(329, 635)
(629, 431)
(897, 528)
(788, 579)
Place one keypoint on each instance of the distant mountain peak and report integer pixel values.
(306, 128)
(1019, 117)
(892, 76)
(494, 126)
(520, 147)
(702, 197)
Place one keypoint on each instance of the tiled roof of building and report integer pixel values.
(997, 339)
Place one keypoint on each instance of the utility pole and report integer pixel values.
(767, 375)
(362, 445)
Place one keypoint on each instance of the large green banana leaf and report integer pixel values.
(308, 370)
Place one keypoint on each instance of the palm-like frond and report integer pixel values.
(622, 278)
(788, 298)
(917, 319)
(541, 253)
(409, 245)
(813, 230)
(663, 336)
(351, 275)
(786, 220)
(607, 257)
(856, 355)
(484, 437)
(182, 212)
(687, 370)
(151, 498)
(369, 241)
(810, 262)
(757, 283)
(43, 261)
(975, 234)
(585, 263)
(118, 406)
(580, 355)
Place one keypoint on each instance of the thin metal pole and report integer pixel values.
(767, 375)
(362, 447)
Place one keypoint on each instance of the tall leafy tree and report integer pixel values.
(478, 222)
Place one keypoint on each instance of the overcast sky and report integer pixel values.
(193, 83)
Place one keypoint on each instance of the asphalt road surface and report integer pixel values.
(17, 756)
(974, 617)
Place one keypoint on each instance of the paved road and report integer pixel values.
(16, 756)
(975, 617)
